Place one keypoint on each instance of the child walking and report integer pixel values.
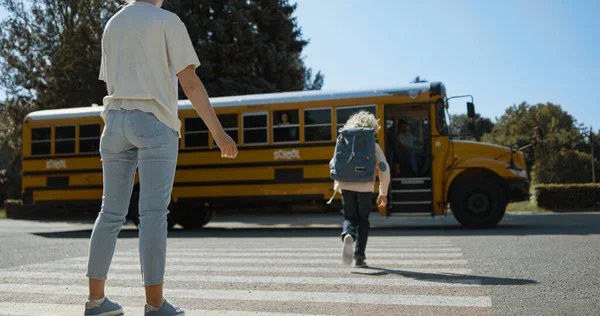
(357, 159)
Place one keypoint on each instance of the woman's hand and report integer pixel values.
(227, 146)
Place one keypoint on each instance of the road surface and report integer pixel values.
(268, 265)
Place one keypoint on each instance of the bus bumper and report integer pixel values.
(519, 190)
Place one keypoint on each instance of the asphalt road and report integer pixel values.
(249, 265)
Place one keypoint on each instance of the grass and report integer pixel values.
(2, 213)
(524, 207)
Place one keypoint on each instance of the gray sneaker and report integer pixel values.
(166, 309)
(360, 263)
(107, 308)
(347, 249)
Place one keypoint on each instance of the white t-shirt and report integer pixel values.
(406, 139)
(143, 49)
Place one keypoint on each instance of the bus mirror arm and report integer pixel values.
(537, 138)
(470, 106)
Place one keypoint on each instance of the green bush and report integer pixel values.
(564, 166)
(567, 196)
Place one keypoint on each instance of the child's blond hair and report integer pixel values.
(363, 119)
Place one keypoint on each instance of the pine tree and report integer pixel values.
(246, 46)
(50, 51)
(50, 58)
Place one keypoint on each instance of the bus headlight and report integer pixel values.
(518, 172)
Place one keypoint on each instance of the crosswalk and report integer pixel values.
(267, 277)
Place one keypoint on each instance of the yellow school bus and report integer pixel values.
(286, 141)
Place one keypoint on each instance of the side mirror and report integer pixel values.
(470, 110)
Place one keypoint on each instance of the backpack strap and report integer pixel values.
(352, 153)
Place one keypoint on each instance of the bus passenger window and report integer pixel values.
(230, 125)
(89, 138)
(286, 126)
(40, 141)
(64, 140)
(317, 125)
(344, 113)
(195, 133)
(255, 128)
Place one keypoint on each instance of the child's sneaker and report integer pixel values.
(348, 249)
(106, 308)
(166, 309)
(360, 263)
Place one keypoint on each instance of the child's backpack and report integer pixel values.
(354, 158)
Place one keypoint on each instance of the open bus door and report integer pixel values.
(410, 192)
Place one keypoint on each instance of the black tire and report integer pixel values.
(195, 218)
(134, 216)
(478, 204)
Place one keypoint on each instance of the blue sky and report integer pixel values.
(501, 52)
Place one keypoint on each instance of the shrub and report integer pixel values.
(567, 196)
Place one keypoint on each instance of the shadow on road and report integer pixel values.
(512, 225)
(454, 278)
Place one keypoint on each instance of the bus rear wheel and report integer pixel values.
(478, 204)
(195, 218)
(133, 212)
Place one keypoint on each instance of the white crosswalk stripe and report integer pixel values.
(260, 277)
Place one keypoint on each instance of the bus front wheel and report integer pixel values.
(478, 204)
(133, 212)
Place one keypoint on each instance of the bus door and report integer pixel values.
(408, 152)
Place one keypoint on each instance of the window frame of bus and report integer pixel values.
(49, 141)
(297, 125)
(186, 132)
(440, 119)
(340, 125)
(318, 125)
(244, 129)
(88, 138)
(64, 140)
(229, 129)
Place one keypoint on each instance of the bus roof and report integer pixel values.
(254, 99)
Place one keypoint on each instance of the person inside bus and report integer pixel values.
(145, 52)
(285, 133)
(409, 148)
(283, 119)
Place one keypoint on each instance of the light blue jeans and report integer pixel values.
(130, 140)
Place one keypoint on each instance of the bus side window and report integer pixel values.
(195, 133)
(89, 138)
(344, 113)
(317, 125)
(230, 125)
(64, 139)
(40, 140)
(286, 126)
(255, 128)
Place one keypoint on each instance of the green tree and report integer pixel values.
(575, 167)
(50, 55)
(562, 139)
(481, 126)
(50, 51)
(247, 47)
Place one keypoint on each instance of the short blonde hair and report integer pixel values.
(363, 119)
